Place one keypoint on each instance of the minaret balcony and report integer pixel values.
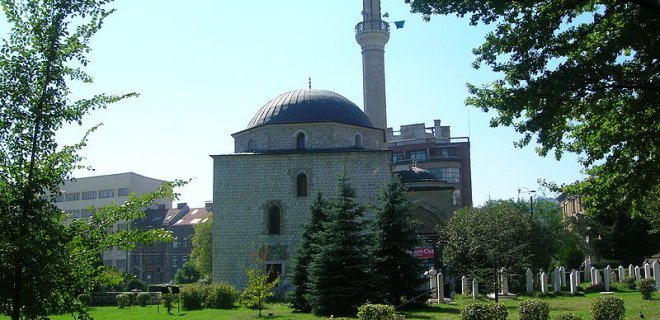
(372, 25)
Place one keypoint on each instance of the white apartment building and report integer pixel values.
(80, 195)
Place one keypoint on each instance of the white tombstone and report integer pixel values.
(562, 276)
(637, 273)
(544, 282)
(656, 274)
(587, 270)
(622, 273)
(475, 289)
(593, 275)
(607, 273)
(631, 271)
(599, 278)
(647, 270)
(464, 285)
(530, 280)
(504, 281)
(556, 281)
(441, 287)
(577, 277)
(573, 278)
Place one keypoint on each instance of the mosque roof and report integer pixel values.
(310, 105)
(415, 174)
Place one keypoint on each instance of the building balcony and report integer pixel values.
(373, 25)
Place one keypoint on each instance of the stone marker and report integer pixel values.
(631, 271)
(573, 277)
(637, 273)
(464, 285)
(656, 274)
(544, 282)
(593, 274)
(587, 270)
(475, 289)
(577, 277)
(441, 287)
(504, 281)
(607, 273)
(530, 280)
(562, 276)
(622, 273)
(556, 282)
(647, 270)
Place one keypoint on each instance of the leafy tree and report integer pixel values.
(578, 76)
(339, 273)
(202, 243)
(306, 252)
(46, 263)
(258, 289)
(549, 233)
(186, 274)
(395, 239)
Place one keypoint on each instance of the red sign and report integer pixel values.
(424, 253)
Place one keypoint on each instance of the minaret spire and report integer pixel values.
(372, 34)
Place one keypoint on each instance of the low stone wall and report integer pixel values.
(110, 298)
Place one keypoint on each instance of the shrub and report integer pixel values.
(630, 282)
(193, 297)
(378, 312)
(168, 299)
(607, 308)
(646, 287)
(533, 309)
(221, 296)
(480, 311)
(133, 283)
(123, 300)
(143, 298)
(85, 299)
(567, 316)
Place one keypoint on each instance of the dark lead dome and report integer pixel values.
(415, 174)
(310, 105)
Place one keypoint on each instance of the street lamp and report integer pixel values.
(531, 196)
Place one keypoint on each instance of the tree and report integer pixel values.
(396, 239)
(202, 243)
(339, 274)
(45, 259)
(306, 252)
(186, 274)
(258, 289)
(581, 77)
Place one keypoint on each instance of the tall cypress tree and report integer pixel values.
(395, 239)
(305, 252)
(340, 279)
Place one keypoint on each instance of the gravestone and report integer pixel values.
(647, 270)
(573, 278)
(562, 276)
(530, 280)
(556, 281)
(587, 270)
(475, 289)
(432, 282)
(606, 278)
(544, 282)
(504, 281)
(622, 273)
(631, 271)
(464, 285)
(656, 274)
(440, 284)
(593, 275)
(577, 277)
(637, 273)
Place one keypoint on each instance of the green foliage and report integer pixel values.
(339, 273)
(647, 287)
(533, 309)
(202, 248)
(551, 236)
(370, 311)
(142, 299)
(192, 297)
(481, 311)
(258, 290)
(221, 296)
(630, 282)
(133, 283)
(168, 300)
(585, 83)
(85, 299)
(124, 300)
(607, 308)
(398, 271)
(186, 274)
(567, 316)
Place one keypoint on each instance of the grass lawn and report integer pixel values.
(562, 304)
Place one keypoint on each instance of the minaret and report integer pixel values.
(372, 34)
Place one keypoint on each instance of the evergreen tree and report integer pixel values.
(339, 275)
(395, 240)
(305, 252)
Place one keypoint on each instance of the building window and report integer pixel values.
(301, 185)
(175, 261)
(121, 264)
(184, 260)
(185, 242)
(108, 193)
(300, 141)
(175, 243)
(358, 141)
(60, 198)
(451, 175)
(456, 198)
(74, 213)
(122, 192)
(273, 270)
(87, 195)
(85, 213)
(419, 155)
(73, 196)
(274, 220)
(397, 157)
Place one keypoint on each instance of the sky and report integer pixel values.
(203, 68)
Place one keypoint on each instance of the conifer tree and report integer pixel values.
(305, 252)
(339, 275)
(395, 239)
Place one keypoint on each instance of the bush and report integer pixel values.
(123, 300)
(193, 297)
(378, 312)
(221, 296)
(85, 299)
(630, 282)
(142, 299)
(134, 283)
(533, 309)
(607, 308)
(646, 287)
(480, 311)
(168, 300)
(567, 316)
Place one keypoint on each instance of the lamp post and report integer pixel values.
(531, 198)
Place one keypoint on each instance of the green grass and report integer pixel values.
(558, 304)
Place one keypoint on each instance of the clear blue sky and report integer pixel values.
(204, 67)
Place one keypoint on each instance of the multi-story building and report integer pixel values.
(80, 196)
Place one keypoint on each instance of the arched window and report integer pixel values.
(301, 185)
(456, 197)
(274, 220)
(358, 141)
(300, 141)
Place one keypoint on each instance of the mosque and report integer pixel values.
(298, 143)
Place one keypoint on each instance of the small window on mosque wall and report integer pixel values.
(301, 185)
(300, 141)
(358, 141)
(456, 198)
(274, 220)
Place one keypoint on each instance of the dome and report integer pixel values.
(415, 174)
(310, 105)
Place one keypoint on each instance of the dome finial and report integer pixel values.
(310, 82)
